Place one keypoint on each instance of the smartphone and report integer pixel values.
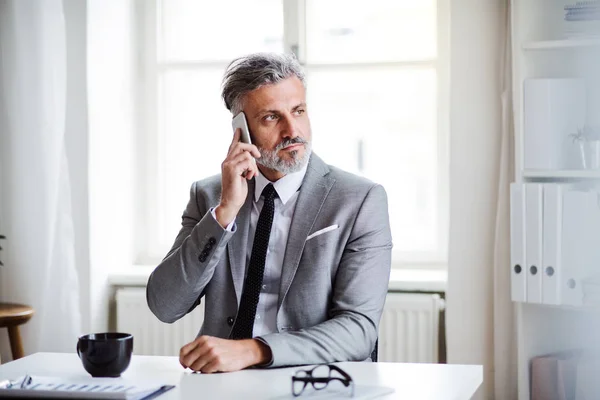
(239, 121)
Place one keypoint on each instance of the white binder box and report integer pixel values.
(580, 253)
(533, 240)
(518, 273)
(552, 244)
(553, 110)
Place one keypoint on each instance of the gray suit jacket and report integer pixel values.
(333, 285)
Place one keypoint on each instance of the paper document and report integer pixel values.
(360, 392)
(51, 387)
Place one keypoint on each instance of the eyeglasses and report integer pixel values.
(319, 377)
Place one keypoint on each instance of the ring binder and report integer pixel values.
(44, 387)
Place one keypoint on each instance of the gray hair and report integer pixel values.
(250, 72)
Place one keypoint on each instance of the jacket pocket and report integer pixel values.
(322, 231)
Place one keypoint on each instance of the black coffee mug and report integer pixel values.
(105, 354)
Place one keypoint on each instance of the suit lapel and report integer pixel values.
(313, 192)
(238, 245)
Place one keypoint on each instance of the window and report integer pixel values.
(377, 97)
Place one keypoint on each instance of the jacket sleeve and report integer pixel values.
(359, 292)
(178, 282)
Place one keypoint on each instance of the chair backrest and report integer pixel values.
(374, 353)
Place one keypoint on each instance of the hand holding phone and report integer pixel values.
(236, 169)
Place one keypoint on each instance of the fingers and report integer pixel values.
(212, 366)
(233, 160)
(237, 147)
(203, 355)
(185, 351)
(210, 354)
(244, 147)
(190, 358)
(247, 164)
(236, 138)
(241, 164)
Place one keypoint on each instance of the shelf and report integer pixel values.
(561, 44)
(583, 308)
(564, 174)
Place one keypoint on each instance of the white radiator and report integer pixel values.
(408, 331)
(151, 336)
(409, 328)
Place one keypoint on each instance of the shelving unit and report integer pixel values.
(540, 49)
(561, 174)
(561, 44)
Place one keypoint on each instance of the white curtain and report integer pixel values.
(35, 191)
(505, 337)
(480, 316)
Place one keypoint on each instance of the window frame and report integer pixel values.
(149, 215)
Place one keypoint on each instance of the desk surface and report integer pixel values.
(410, 381)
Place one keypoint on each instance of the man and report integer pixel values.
(291, 256)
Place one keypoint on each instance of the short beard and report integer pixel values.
(270, 159)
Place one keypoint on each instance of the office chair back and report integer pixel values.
(374, 353)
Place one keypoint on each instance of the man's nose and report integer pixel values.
(289, 128)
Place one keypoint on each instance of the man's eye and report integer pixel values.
(300, 111)
(270, 117)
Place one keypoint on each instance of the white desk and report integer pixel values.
(411, 381)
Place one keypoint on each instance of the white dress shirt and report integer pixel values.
(287, 187)
(287, 191)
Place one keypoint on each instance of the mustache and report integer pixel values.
(288, 142)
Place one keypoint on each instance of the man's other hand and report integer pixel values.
(209, 354)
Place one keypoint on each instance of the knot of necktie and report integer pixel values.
(269, 192)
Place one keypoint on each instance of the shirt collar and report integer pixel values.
(285, 187)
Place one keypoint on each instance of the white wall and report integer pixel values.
(476, 36)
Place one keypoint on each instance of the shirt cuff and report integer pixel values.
(230, 227)
(268, 363)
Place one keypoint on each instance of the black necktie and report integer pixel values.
(254, 278)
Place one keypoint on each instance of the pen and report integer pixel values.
(26, 381)
(7, 384)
